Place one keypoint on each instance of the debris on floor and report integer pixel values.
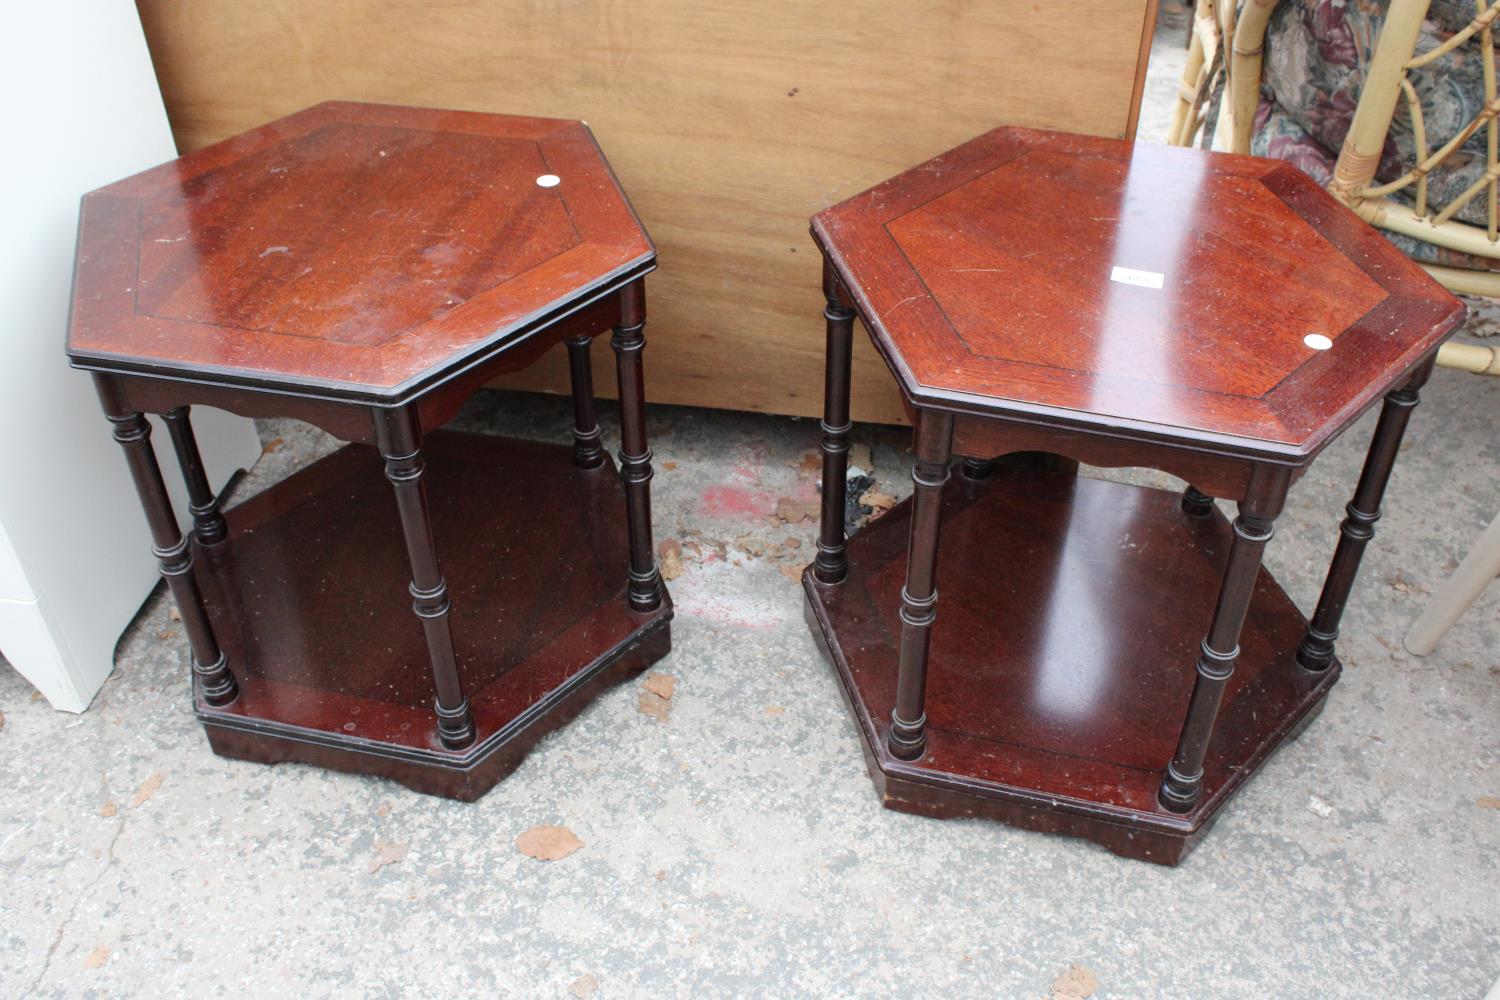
(860, 457)
(854, 513)
(548, 843)
(670, 552)
(1074, 984)
(787, 553)
(387, 853)
(810, 463)
(878, 503)
(751, 545)
(789, 511)
(656, 696)
(1401, 584)
(148, 788)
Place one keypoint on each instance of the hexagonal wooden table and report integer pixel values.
(366, 268)
(1110, 661)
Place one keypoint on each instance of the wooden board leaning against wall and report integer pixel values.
(728, 122)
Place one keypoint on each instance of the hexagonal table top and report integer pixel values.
(1164, 292)
(352, 250)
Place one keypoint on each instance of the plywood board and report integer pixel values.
(728, 122)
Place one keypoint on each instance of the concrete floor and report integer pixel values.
(737, 849)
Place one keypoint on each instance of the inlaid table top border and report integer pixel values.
(1288, 423)
(110, 332)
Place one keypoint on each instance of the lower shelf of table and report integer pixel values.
(1068, 621)
(309, 599)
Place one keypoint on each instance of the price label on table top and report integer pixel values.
(1131, 276)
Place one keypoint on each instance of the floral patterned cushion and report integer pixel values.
(1278, 136)
(1317, 53)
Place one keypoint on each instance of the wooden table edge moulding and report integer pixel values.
(366, 268)
(1083, 676)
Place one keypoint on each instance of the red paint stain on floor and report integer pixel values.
(735, 501)
(749, 464)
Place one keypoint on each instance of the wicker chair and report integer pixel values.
(1454, 595)
(1439, 204)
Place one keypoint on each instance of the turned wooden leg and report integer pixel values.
(1196, 503)
(174, 552)
(208, 521)
(908, 739)
(978, 469)
(1183, 782)
(831, 565)
(400, 439)
(1316, 649)
(635, 458)
(588, 451)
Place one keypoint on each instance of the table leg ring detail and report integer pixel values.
(908, 739)
(175, 560)
(1315, 652)
(216, 682)
(920, 612)
(1179, 792)
(645, 589)
(455, 725)
(1196, 503)
(831, 564)
(430, 603)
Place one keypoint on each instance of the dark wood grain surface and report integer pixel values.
(1104, 661)
(350, 250)
(1057, 686)
(425, 609)
(985, 278)
(309, 601)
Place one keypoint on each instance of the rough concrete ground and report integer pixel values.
(736, 849)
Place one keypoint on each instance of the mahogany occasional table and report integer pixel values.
(1105, 661)
(366, 268)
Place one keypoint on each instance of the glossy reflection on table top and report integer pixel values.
(1127, 282)
(357, 243)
